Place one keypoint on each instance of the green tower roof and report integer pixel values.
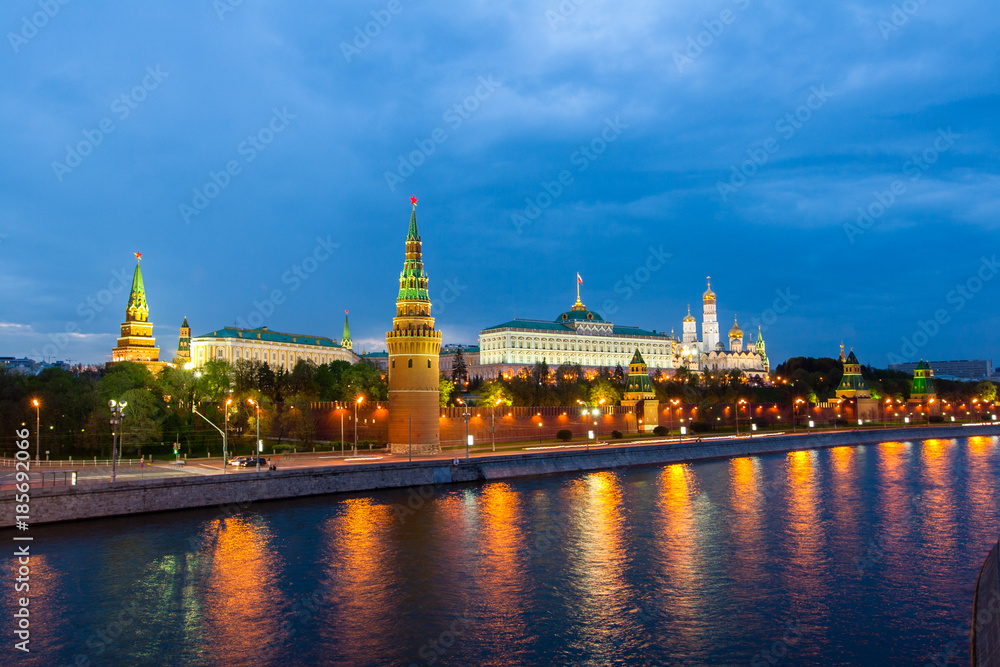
(413, 234)
(413, 280)
(921, 366)
(637, 358)
(185, 323)
(347, 330)
(137, 296)
(851, 359)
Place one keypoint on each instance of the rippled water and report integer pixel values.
(846, 556)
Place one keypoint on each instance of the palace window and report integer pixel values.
(410, 364)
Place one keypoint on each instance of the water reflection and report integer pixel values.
(501, 569)
(807, 555)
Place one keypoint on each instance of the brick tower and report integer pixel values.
(136, 342)
(414, 348)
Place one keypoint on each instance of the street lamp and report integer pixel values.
(117, 408)
(795, 412)
(356, 404)
(493, 425)
(465, 415)
(597, 433)
(38, 431)
(257, 447)
(674, 402)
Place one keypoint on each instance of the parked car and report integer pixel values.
(237, 460)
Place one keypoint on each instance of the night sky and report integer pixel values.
(832, 166)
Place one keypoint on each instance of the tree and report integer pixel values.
(497, 391)
(619, 374)
(986, 391)
(445, 390)
(459, 369)
(605, 389)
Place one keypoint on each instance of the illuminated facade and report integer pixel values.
(639, 394)
(136, 342)
(276, 349)
(578, 336)
(709, 353)
(414, 347)
(183, 345)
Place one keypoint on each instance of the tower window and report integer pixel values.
(410, 364)
(428, 363)
(393, 363)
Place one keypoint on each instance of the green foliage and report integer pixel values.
(661, 431)
(564, 434)
(616, 435)
(701, 427)
(986, 391)
(446, 388)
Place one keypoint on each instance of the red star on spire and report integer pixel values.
(413, 200)
(346, 312)
(138, 255)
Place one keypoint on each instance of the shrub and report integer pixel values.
(838, 421)
(700, 427)
(936, 419)
(661, 430)
(564, 434)
(616, 435)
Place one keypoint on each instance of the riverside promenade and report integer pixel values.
(162, 487)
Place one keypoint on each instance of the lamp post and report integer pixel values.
(795, 412)
(674, 402)
(38, 431)
(225, 438)
(257, 446)
(341, 431)
(356, 404)
(493, 426)
(596, 429)
(195, 411)
(117, 408)
(465, 415)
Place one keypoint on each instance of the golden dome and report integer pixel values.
(735, 332)
(689, 317)
(709, 295)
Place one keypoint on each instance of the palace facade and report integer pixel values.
(578, 336)
(276, 349)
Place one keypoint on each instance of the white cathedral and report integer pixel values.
(709, 354)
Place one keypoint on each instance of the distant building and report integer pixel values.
(975, 369)
(471, 354)
(183, 345)
(24, 365)
(276, 349)
(379, 359)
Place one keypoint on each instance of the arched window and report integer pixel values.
(410, 364)
(428, 363)
(393, 363)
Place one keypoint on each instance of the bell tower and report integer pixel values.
(414, 351)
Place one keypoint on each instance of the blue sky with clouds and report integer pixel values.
(640, 142)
